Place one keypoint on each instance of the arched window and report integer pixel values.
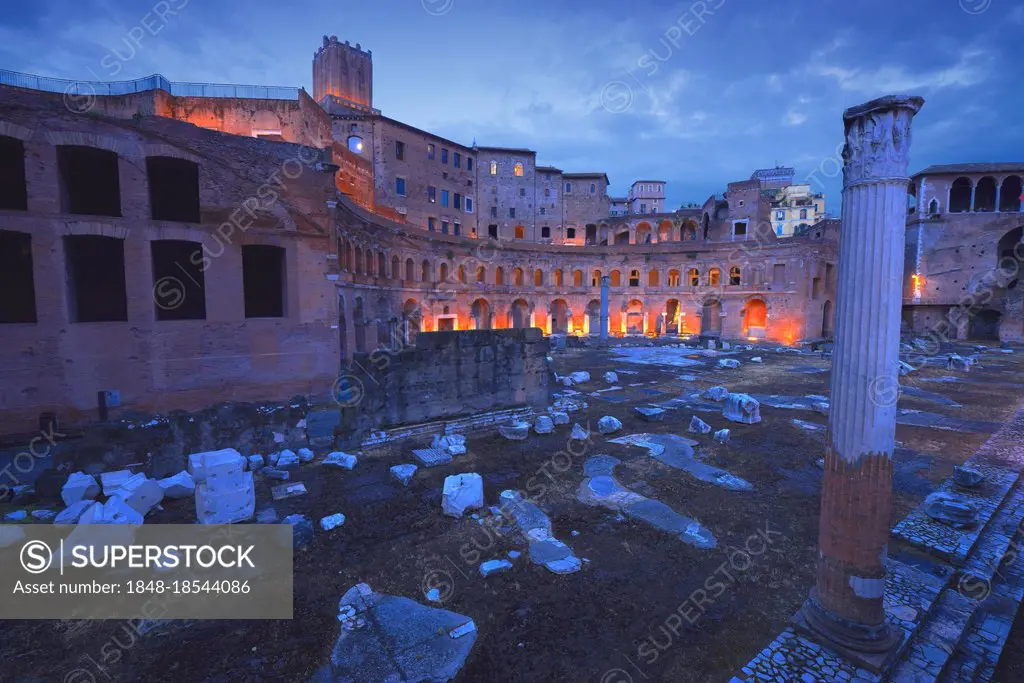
(1010, 194)
(714, 277)
(985, 194)
(734, 275)
(558, 277)
(499, 275)
(481, 274)
(616, 279)
(517, 274)
(960, 196)
(673, 278)
(634, 278)
(462, 275)
(518, 169)
(933, 207)
(444, 272)
(577, 278)
(595, 279)
(538, 278)
(410, 270)
(652, 279)
(494, 167)
(693, 275)
(803, 214)
(396, 268)
(425, 274)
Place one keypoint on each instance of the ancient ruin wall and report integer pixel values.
(445, 375)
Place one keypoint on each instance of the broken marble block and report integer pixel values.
(650, 414)
(517, 430)
(698, 426)
(276, 474)
(716, 394)
(559, 417)
(340, 460)
(302, 530)
(255, 462)
(16, 516)
(431, 457)
(79, 486)
(729, 363)
(44, 515)
(905, 368)
(305, 455)
(756, 359)
(74, 512)
(454, 444)
(579, 433)
(141, 493)
(292, 490)
(956, 511)
(957, 362)
(543, 424)
(580, 377)
(403, 473)
(967, 477)
(180, 485)
(224, 458)
(742, 408)
(287, 460)
(608, 425)
(111, 481)
(611, 377)
(462, 492)
(227, 493)
(114, 511)
(821, 407)
(332, 521)
(494, 567)
(722, 436)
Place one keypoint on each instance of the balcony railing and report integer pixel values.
(154, 82)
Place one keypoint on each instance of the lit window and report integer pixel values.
(355, 144)
(430, 151)
(494, 168)
(518, 170)
(520, 232)
(432, 194)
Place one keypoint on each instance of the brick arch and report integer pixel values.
(164, 150)
(13, 130)
(125, 148)
(93, 228)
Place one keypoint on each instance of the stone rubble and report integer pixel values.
(140, 493)
(73, 513)
(305, 455)
(111, 481)
(340, 460)
(226, 494)
(579, 433)
(276, 474)
(608, 425)
(611, 377)
(453, 444)
(756, 359)
(79, 486)
(255, 463)
(516, 430)
(649, 414)
(731, 363)
(716, 394)
(286, 460)
(403, 473)
(544, 424)
(559, 417)
(44, 515)
(282, 491)
(722, 436)
(742, 408)
(491, 567)
(332, 521)
(698, 426)
(114, 511)
(431, 457)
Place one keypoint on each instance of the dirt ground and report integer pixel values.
(645, 607)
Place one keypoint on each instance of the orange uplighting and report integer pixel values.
(918, 281)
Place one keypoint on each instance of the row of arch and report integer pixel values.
(986, 195)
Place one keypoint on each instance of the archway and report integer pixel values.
(425, 274)
(410, 270)
(412, 319)
(481, 314)
(519, 314)
(689, 231)
(594, 317)
(711, 318)
(826, 320)
(960, 196)
(1010, 194)
(755, 318)
(665, 231)
(359, 321)
(672, 316)
(559, 311)
(985, 194)
(644, 234)
(622, 238)
(396, 268)
(635, 317)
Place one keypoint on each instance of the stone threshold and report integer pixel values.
(463, 425)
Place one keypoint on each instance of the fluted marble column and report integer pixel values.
(844, 610)
(605, 281)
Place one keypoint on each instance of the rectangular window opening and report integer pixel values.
(89, 181)
(173, 189)
(18, 303)
(96, 278)
(263, 281)
(179, 285)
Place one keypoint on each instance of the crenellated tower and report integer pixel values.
(343, 71)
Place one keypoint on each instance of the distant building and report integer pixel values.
(646, 196)
(774, 178)
(795, 208)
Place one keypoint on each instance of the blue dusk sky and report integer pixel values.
(697, 94)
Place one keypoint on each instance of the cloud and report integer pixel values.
(794, 118)
(972, 68)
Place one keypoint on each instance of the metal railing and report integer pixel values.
(154, 82)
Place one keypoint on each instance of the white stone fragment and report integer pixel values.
(559, 417)
(611, 377)
(579, 433)
(517, 430)
(580, 377)
(305, 455)
(180, 485)
(454, 444)
(79, 486)
(741, 408)
(217, 459)
(462, 492)
(114, 511)
(111, 481)
(756, 359)
(544, 424)
(340, 460)
(729, 363)
(141, 493)
(957, 362)
(332, 521)
(227, 503)
(74, 512)
(16, 516)
(722, 436)
(698, 426)
(494, 567)
(44, 515)
(255, 462)
(403, 473)
(287, 460)
(608, 425)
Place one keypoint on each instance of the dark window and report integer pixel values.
(173, 189)
(571, 233)
(263, 281)
(444, 197)
(18, 303)
(458, 201)
(593, 188)
(545, 231)
(492, 231)
(444, 226)
(13, 194)
(432, 194)
(522, 191)
(543, 211)
(740, 229)
(457, 160)
(400, 186)
(444, 155)
(431, 224)
(469, 205)
(512, 212)
(430, 151)
(399, 150)
(469, 165)
(88, 181)
(456, 228)
(568, 188)
(179, 287)
(96, 278)
(494, 212)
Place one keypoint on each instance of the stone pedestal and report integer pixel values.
(605, 284)
(844, 611)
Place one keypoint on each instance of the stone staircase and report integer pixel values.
(954, 592)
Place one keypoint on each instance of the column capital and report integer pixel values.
(878, 138)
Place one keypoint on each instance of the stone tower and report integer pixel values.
(343, 71)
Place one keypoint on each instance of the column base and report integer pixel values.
(870, 647)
